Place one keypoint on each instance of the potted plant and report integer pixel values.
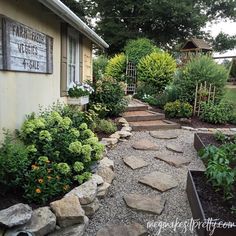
(212, 193)
(78, 93)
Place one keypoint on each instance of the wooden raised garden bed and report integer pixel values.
(207, 205)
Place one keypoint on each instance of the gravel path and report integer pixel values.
(113, 208)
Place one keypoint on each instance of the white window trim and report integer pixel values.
(75, 35)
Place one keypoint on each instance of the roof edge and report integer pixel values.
(71, 18)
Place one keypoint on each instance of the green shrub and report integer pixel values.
(178, 109)
(99, 65)
(116, 67)
(111, 94)
(46, 180)
(14, 162)
(200, 69)
(157, 69)
(216, 113)
(138, 48)
(106, 126)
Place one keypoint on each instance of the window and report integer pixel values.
(72, 57)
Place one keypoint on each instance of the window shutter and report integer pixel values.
(81, 58)
(63, 60)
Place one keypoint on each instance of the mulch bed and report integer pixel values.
(208, 139)
(212, 202)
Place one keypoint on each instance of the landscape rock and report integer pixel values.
(42, 222)
(123, 120)
(104, 142)
(124, 134)
(110, 141)
(91, 208)
(68, 211)
(75, 230)
(159, 181)
(133, 229)
(103, 190)
(18, 214)
(106, 173)
(106, 162)
(153, 204)
(174, 148)
(167, 134)
(173, 160)
(115, 135)
(86, 192)
(98, 179)
(134, 162)
(145, 144)
(126, 128)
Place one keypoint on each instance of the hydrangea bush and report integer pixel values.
(58, 153)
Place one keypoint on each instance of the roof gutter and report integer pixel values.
(71, 18)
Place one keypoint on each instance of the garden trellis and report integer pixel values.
(131, 77)
(203, 93)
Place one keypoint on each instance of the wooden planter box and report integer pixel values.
(78, 101)
(197, 142)
(198, 211)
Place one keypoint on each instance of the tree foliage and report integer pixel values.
(165, 22)
(224, 42)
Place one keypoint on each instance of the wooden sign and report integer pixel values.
(24, 49)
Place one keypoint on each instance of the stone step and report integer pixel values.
(142, 116)
(153, 125)
(136, 105)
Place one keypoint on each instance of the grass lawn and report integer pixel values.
(231, 95)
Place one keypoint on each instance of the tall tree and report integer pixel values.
(164, 21)
(224, 42)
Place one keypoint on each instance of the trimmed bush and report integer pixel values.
(157, 69)
(138, 48)
(200, 69)
(99, 66)
(116, 67)
(216, 113)
(106, 126)
(178, 109)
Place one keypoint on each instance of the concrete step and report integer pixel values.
(142, 116)
(153, 125)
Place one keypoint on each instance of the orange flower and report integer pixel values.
(66, 187)
(40, 181)
(34, 167)
(49, 177)
(38, 190)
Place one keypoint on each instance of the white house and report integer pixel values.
(43, 47)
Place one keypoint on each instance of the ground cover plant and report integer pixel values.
(53, 153)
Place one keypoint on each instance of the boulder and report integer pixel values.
(91, 208)
(68, 211)
(103, 190)
(106, 162)
(42, 222)
(75, 230)
(106, 173)
(98, 179)
(18, 214)
(86, 192)
(110, 141)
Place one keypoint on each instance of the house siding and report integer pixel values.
(21, 93)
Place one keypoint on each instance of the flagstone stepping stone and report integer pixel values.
(150, 204)
(167, 134)
(159, 181)
(173, 160)
(174, 148)
(134, 162)
(133, 229)
(145, 144)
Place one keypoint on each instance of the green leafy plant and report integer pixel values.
(221, 137)
(157, 69)
(178, 109)
(106, 126)
(116, 67)
(14, 161)
(111, 94)
(138, 48)
(99, 66)
(216, 113)
(199, 70)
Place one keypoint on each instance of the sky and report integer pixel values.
(226, 27)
